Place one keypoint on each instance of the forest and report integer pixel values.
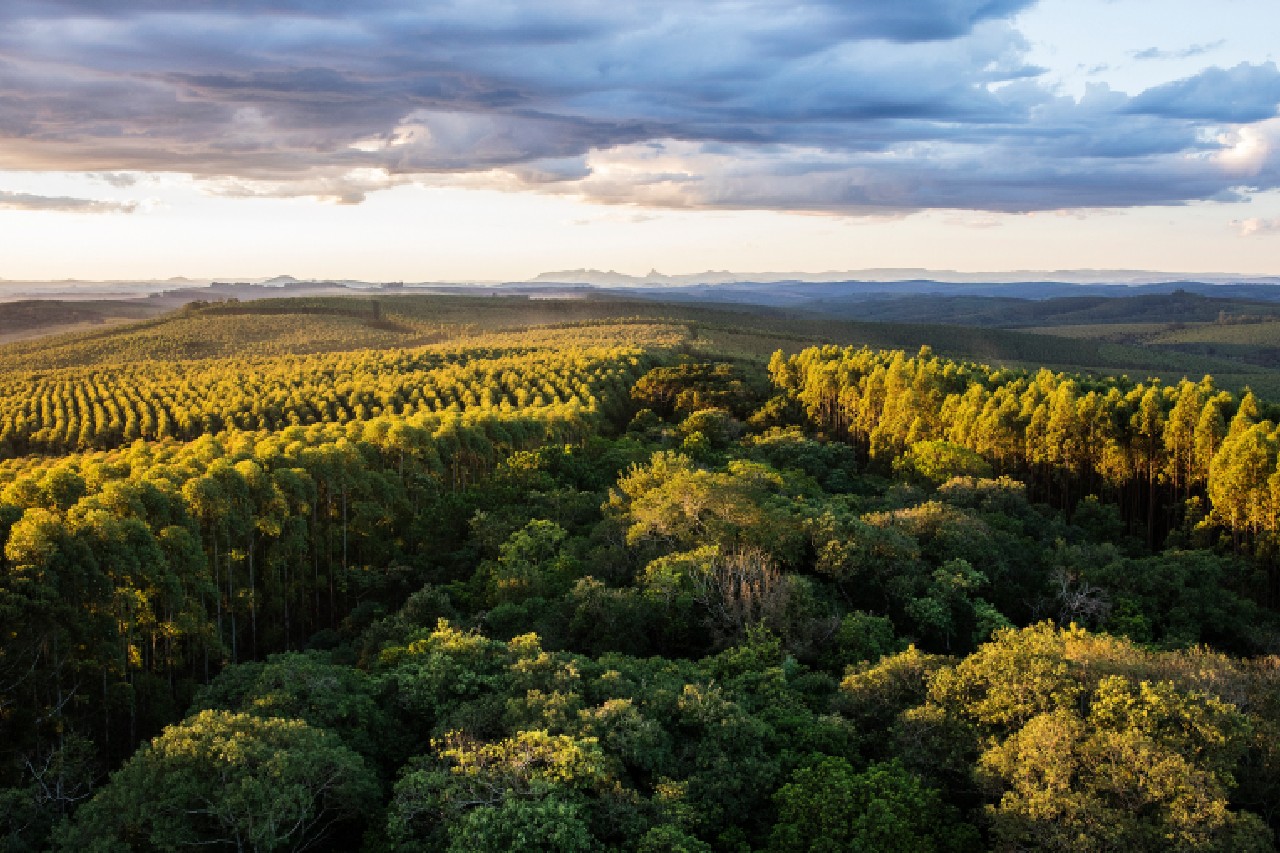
(437, 573)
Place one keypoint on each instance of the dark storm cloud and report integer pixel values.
(845, 106)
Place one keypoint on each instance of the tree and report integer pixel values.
(530, 564)
(1068, 786)
(305, 686)
(1083, 750)
(671, 504)
(939, 461)
(1180, 437)
(522, 791)
(234, 780)
(549, 825)
(1239, 479)
(949, 612)
(827, 807)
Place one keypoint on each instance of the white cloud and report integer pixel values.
(1257, 226)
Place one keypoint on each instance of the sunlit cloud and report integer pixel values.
(1257, 226)
(856, 107)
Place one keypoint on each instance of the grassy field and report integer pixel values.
(1262, 333)
(1248, 352)
(1011, 313)
(35, 318)
(1132, 333)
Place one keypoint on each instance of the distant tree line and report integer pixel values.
(1163, 454)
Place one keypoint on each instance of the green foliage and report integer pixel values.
(831, 464)
(940, 461)
(863, 637)
(1057, 431)
(529, 565)
(549, 825)
(875, 693)
(1070, 788)
(236, 780)
(671, 839)
(949, 611)
(827, 807)
(500, 794)
(673, 504)
(1080, 759)
(308, 687)
(1178, 599)
(716, 426)
(692, 386)
(81, 407)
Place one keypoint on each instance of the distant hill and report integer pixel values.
(1181, 306)
(610, 278)
(776, 289)
(35, 318)
(821, 295)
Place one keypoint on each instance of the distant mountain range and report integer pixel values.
(791, 289)
(609, 278)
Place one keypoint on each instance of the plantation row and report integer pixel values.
(270, 328)
(195, 334)
(1153, 447)
(78, 409)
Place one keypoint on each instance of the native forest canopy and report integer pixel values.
(422, 573)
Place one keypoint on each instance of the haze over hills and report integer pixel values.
(1045, 301)
(609, 278)
(770, 288)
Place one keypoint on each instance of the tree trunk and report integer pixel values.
(253, 600)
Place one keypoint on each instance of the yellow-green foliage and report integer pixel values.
(1056, 430)
(1087, 742)
(79, 408)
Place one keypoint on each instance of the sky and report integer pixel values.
(391, 140)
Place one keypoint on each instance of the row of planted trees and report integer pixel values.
(76, 409)
(1151, 447)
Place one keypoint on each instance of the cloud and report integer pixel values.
(1256, 226)
(26, 201)
(1245, 93)
(954, 176)
(119, 180)
(855, 107)
(1185, 53)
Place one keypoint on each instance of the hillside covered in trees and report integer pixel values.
(431, 573)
